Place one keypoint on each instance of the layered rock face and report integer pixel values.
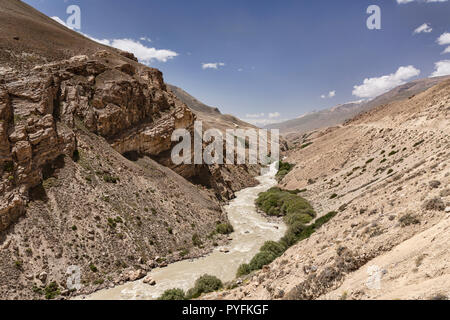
(63, 129)
(114, 97)
(107, 95)
(30, 139)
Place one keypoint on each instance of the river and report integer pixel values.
(251, 231)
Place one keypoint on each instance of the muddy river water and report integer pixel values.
(251, 231)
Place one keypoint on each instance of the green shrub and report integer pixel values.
(52, 291)
(110, 179)
(306, 145)
(224, 228)
(370, 161)
(243, 270)
(292, 218)
(204, 284)
(112, 223)
(18, 264)
(277, 202)
(196, 240)
(274, 247)
(333, 196)
(297, 231)
(306, 233)
(93, 267)
(8, 166)
(324, 219)
(160, 260)
(281, 174)
(173, 294)
(289, 239)
(37, 290)
(49, 183)
(283, 169)
(408, 219)
(261, 259)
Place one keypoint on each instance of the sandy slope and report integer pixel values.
(382, 166)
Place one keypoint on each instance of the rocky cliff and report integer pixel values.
(82, 143)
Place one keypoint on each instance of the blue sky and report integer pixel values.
(278, 58)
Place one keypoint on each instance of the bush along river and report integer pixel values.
(251, 231)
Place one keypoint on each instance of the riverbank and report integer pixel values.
(251, 231)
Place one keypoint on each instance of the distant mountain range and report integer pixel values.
(339, 114)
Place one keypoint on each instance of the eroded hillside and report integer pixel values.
(387, 175)
(86, 178)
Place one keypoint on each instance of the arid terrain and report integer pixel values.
(386, 172)
(82, 140)
(294, 129)
(86, 179)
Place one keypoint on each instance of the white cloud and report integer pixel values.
(144, 54)
(214, 65)
(444, 39)
(263, 122)
(145, 39)
(274, 115)
(373, 87)
(441, 68)
(260, 119)
(330, 94)
(255, 115)
(425, 28)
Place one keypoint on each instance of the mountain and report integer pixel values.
(85, 173)
(192, 102)
(319, 119)
(337, 115)
(385, 174)
(210, 116)
(27, 31)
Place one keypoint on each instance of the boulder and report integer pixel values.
(149, 280)
(132, 275)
